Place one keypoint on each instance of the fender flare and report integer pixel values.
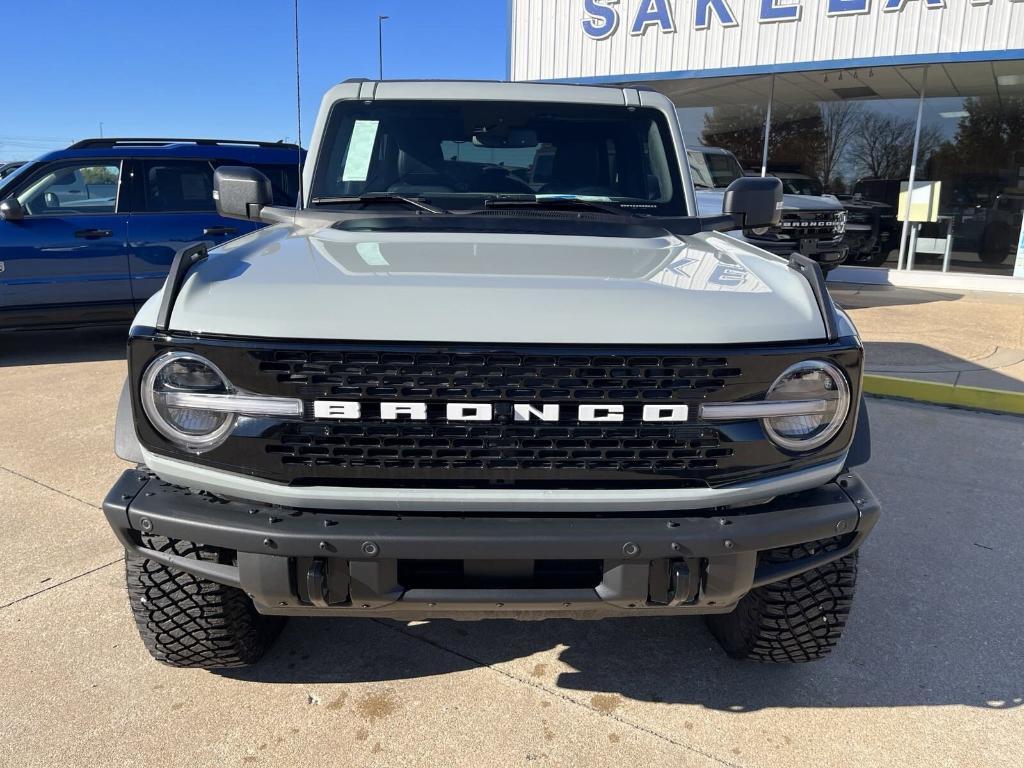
(860, 447)
(126, 442)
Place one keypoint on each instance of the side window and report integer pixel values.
(284, 181)
(179, 186)
(73, 188)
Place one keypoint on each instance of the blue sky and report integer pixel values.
(217, 68)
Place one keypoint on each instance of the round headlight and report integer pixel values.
(760, 231)
(173, 375)
(823, 386)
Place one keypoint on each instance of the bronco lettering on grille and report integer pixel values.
(353, 410)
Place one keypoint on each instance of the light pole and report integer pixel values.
(380, 45)
(101, 130)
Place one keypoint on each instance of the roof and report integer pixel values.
(480, 90)
(242, 151)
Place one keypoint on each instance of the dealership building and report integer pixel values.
(847, 97)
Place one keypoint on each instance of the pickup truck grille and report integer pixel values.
(437, 452)
(820, 225)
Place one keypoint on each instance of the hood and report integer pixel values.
(709, 202)
(283, 282)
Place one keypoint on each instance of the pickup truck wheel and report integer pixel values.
(796, 620)
(186, 621)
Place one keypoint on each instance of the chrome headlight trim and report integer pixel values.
(842, 411)
(232, 403)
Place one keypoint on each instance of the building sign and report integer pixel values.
(602, 18)
(573, 39)
(924, 202)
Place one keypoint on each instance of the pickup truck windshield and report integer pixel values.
(459, 155)
(713, 170)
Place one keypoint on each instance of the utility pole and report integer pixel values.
(380, 45)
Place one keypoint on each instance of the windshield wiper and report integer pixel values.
(554, 202)
(380, 197)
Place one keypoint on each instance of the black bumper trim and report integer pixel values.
(269, 541)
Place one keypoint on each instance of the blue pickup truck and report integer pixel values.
(88, 233)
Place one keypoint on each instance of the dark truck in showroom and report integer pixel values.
(451, 385)
(813, 225)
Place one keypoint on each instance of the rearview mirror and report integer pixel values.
(241, 192)
(11, 210)
(506, 138)
(754, 202)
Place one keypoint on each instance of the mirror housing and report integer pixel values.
(11, 210)
(754, 202)
(241, 192)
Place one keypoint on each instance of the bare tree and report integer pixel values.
(882, 145)
(839, 121)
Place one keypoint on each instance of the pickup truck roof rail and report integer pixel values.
(152, 142)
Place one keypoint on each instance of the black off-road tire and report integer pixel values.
(186, 621)
(796, 620)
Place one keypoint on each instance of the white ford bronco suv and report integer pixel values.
(495, 365)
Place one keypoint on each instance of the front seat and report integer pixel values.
(577, 170)
(421, 168)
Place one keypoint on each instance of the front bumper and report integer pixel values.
(315, 562)
(825, 252)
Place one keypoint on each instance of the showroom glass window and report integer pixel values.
(974, 123)
(850, 134)
(723, 112)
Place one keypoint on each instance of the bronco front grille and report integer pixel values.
(501, 451)
(409, 446)
(500, 378)
(819, 225)
(493, 375)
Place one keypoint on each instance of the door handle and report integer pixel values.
(217, 231)
(93, 234)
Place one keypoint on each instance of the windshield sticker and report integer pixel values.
(360, 150)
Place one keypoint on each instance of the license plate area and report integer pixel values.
(500, 574)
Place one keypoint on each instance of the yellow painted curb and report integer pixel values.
(945, 394)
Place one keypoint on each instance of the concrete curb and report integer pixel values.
(945, 394)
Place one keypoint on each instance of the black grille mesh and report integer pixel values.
(488, 376)
(500, 378)
(406, 445)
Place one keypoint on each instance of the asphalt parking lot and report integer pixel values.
(930, 672)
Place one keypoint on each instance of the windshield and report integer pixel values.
(803, 186)
(713, 170)
(13, 176)
(457, 155)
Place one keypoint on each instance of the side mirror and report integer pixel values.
(11, 210)
(241, 192)
(754, 202)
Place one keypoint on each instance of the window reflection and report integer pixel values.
(850, 133)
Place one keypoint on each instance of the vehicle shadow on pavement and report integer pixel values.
(862, 296)
(659, 660)
(83, 345)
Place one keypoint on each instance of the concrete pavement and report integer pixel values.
(929, 673)
(956, 347)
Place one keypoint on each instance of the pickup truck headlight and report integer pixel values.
(820, 396)
(191, 403)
